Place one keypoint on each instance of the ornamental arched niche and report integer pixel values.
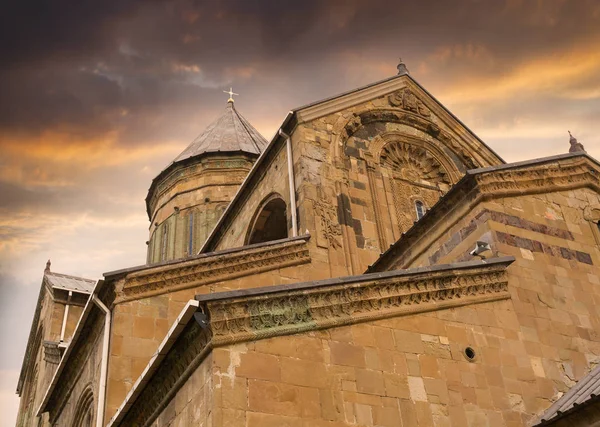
(84, 410)
(414, 177)
(413, 161)
(353, 133)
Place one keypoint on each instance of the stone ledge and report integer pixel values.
(214, 267)
(279, 310)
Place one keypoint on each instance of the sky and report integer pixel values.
(97, 97)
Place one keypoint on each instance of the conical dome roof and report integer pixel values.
(230, 132)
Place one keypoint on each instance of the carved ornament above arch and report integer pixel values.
(413, 163)
(348, 125)
(424, 148)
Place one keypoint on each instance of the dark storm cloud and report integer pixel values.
(92, 67)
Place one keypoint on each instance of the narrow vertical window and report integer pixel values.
(164, 244)
(420, 208)
(191, 233)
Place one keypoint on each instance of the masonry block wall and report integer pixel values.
(187, 202)
(141, 321)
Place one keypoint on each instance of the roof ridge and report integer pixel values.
(69, 276)
(245, 123)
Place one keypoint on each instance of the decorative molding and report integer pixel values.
(350, 99)
(381, 236)
(543, 177)
(52, 352)
(213, 268)
(290, 311)
(413, 163)
(592, 213)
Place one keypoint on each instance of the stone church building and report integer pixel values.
(328, 278)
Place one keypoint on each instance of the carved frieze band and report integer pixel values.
(544, 177)
(211, 269)
(250, 318)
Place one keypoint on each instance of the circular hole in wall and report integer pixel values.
(470, 354)
(206, 200)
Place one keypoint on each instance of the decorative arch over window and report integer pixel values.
(84, 411)
(414, 176)
(164, 241)
(269, 222)
(413, 163)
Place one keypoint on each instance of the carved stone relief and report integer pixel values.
(407, 100)
(329, 229)
(405, 195)
(413, 163)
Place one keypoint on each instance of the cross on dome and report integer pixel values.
(231, 93)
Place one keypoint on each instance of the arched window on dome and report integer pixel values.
(270, 221)
(190, 233)
(420, 209)
(84, 411)
(164, 242)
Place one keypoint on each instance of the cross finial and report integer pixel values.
(231, 93)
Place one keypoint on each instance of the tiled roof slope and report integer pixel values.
(69, 283)
(230, 132)
(587, 389)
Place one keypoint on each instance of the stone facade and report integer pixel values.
(375, 314)
(186, 204)
(44, 348)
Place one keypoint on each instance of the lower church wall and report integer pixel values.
(139, 326)
(410, 370)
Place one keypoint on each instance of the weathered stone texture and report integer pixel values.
(187, 203)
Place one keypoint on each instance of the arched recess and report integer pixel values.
(421, 149)
(84, 410)
(269, 222)
(411, 173)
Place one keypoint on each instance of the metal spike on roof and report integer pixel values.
(230, 132)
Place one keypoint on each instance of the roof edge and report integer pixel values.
(461, 185)
(267, 290)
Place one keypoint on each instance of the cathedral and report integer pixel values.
(374, 264)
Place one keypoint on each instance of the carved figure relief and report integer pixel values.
(328, 228)
(407, 100)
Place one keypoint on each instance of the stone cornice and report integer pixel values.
(254, 314)
(551, 174)
(210, 268)
(194, 165)
(303, 307)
